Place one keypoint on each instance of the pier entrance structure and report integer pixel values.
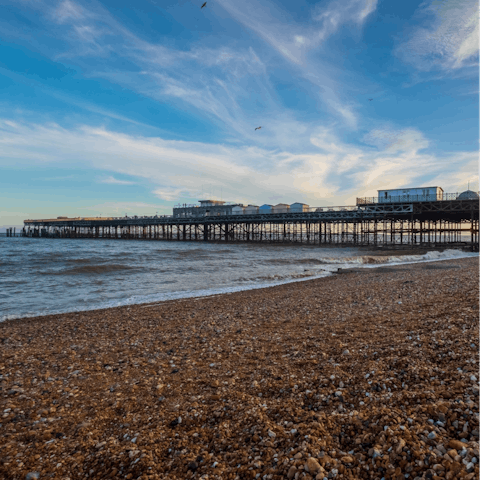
(448, 221)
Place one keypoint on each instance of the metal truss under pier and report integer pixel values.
(436, 223)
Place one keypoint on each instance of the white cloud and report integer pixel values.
(115, 181)
(337, 13)
(172, 194)
(68, 10)
(449, 42)
(334, 172)
(226, 82)
(294, 41)
(392, 140)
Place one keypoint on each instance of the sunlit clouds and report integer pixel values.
(449, 42)
(177, 169)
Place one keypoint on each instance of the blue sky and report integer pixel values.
(118, 107)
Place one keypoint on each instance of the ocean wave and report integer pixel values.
(91, 269)
(198, 253)
(253, 274)
(76, 261)
(296, 261)
(275, 277)
(396, 259)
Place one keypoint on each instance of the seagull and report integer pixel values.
(370, 99)
(258, 128)
(204, 5)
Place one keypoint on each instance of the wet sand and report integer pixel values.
(371, 373)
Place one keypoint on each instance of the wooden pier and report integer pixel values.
(432, 224)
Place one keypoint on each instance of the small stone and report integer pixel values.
(452, 453)
(134, 440)
(271, 434)
(192, 466)
(32, 476)
(456, 444)
(346, 352)
(297, 456)
(312, 466)
(432, 436)
(347, 459)
(291, 472)
(376, 453)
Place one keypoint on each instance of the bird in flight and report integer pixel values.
(258, 128)
(370, 99)
(204, 5)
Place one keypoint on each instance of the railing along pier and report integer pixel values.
(435, 223)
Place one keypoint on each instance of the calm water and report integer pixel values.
(43, 276)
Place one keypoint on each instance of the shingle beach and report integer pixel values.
(366, 374)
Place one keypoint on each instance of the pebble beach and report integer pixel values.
(371, 373)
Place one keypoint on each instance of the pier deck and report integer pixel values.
(450, 222)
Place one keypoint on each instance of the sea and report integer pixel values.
(41, 276)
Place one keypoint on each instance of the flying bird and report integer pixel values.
(370, 99)
(258, 128)
(204, 5)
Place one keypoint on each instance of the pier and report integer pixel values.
(445, 222)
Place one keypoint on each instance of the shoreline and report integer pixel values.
(362, 375)
(274, 283)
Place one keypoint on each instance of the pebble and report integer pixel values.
(291, 472)
(456, 444)
(312, 466)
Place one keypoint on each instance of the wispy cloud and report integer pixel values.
(335, 171)
(449, 42)
(171, 194)
(292, 40)
(68, 10)
(115, 181)
(296, 42)
(227, 85)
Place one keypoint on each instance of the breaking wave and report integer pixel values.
(293, 261)
(77, 275)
